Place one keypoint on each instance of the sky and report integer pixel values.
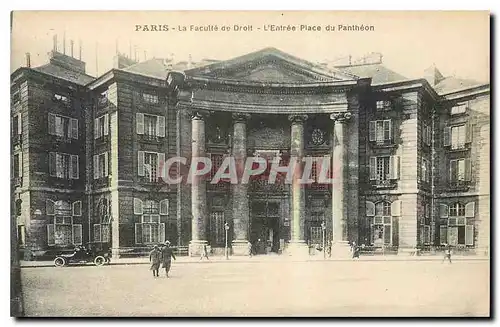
(456, 42)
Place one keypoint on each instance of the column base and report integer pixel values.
(115, 253)
(195, 248)
(298, 249)
(341, 250)
(240, 248)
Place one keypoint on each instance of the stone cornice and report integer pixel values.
(469, 92)
(24, 73)
(124, 76)
(263, 109)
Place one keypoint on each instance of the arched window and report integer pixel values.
(457, 210)
(381, 227)
(383, 209)
(102, 227)
(150, 229)
(63, 230)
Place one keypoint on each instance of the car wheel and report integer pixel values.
(99, 260)
(59, 262)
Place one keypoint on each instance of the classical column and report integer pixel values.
(339, 167)
(198, 185)
(297, 244)
(240, 191)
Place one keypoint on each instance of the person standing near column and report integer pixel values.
(204, 252)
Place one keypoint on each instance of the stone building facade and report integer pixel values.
(410, 158)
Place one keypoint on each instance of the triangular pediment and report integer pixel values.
(269, 65)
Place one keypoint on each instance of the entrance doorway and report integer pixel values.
(265, 227)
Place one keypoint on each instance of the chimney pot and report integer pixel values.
(71, 43)
(28, 60)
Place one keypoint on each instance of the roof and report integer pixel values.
(377, 72)
(159, 67)
(452, 84)
(65, 74)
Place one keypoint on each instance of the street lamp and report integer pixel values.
(226, 227)
(323, 228)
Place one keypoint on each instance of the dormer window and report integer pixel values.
(460, 108)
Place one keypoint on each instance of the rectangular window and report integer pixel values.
(459, 109)
(63, 127)
(150, 125)
(150, 98)
(16, 96)
(425, 175)
(458, 137)
(101, 126)
(61, 98)
(16, 125)
(151, 166)
(63, 165)
(101, 165)
(380, 131)
(460, 170)
(383, 105)
(102, 233)
(426, 134)
(17, 167)
(383, 169)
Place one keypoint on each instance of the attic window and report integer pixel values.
(150, 98)
(460, 108)
(16, 96)
(383, 105)
(61, 98)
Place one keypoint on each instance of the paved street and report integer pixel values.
(278, 288)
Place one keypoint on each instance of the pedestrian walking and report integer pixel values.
(155, 259)
(167, 254)
(329, 249)
(447, 253)
(204, 252)
(250, 254)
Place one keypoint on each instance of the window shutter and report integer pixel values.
(96, 166)
(373, 168)
(106, 124)
(137, 206)
(74, 128)
(164, 207)
(77, 208)
(140, 123)
(161, 230)
(447, 136)
(96, 128)
(468, 133)
(470, 210)
(51, 240)
(52, 124)
(443, 210)
(77, 234)
(19, 124)
(396, 208)
(453, 170)
(73, 167)
(140, 163)
(394, 167)
(370, 209)
(443, 234)
(468, 169)
(372, 130)
(106, 164)
(138, 233)
(469, 235)
(52, 163)
(160, 126)
(161, 165)
(49, 207)
(389, 122)
(20, 164)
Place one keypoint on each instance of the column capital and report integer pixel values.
(297, 118)
(240, 117)
(198, 114)
(341, 117)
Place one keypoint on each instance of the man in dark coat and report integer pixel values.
(155, 259)
(167, 254)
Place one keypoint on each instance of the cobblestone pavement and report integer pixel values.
(262, 288)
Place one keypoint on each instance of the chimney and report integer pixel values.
(433, 75)
(350, 60)
(71, 44)
(190, 62)
(64, 42)
(80, 55)
(28, 60)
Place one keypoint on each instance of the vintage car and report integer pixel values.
(96, 253)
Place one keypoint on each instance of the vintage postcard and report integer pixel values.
(243, 164)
